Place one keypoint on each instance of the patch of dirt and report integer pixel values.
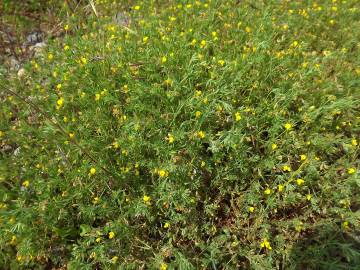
(25, 26)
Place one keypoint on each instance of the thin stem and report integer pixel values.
(62, 130)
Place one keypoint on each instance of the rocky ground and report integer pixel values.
(25, 28)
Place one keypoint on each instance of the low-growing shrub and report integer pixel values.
(186, 135)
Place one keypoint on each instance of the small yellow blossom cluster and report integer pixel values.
(147, 200)
(99, 95)
(286, 168)
(163, 173)
(266, 244)
(92, 171)
(26, 183)
(288, 126)
(351, 170)
(59, 103)
(201, 134)
(170, 138)
(111, 235)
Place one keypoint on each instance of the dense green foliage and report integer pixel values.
(186, 135)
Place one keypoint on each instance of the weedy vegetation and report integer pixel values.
(185, 135)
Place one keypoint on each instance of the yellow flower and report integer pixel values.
(163, 266)
(59, 103)
(115, 145)
(280, 188)
(96, 200)
(202, 44)
(146, 199)
(251, 209)
(71, 135)
(221, 62)
(267, 191)
(237, 117)
(92, 171)
(168, 81)
(295, 44)
(66, 27)
(273, 146)
(83, 60)
(247, 29)
(354, 142)
(303, 157)
(357, 71)
(198, 93)
(288, 126)
(13, 240)
(201, 134)
(170, 138)
(145, 39)
(286, 168)
(351, 170)
(26, 183)
(166, 225)
(345, 225)
(197, 114)
(193, 42)
(163, 59)
(136, 7)
(299, 181)
(97, 97)
(163, 173)
(58, 86)
(98, 240)
(66, 47)
(114, 259)
(111, 235)
(50, 56)
(266, 244)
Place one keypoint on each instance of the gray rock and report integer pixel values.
(17, 151)
(37, 48)
(21, 72)
(14, 64)
(35, 37)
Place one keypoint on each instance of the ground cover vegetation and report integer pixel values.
(185, 135)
